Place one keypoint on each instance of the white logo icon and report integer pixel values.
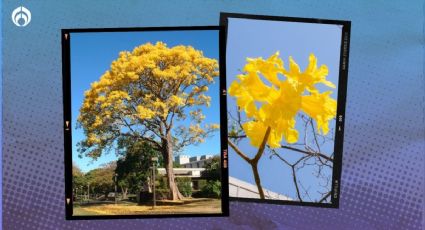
(21, 16)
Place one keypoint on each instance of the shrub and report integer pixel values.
(211, 190)
(185, 186)
(161, 194)
(212, 169)
(201, 184)
(161, 183)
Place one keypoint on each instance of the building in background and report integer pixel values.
(191, 167)
(242, 189)
(184, 172)
(193, 162)
(182, 159)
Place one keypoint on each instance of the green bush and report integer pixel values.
(201, 184)
(161, 183)
(208, 189)
(161, 194)
(185, 186)
(212, 169)
(183, 183)
(211, 190)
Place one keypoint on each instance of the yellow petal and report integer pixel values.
(293, 67)
(255, 131)
(320, 107)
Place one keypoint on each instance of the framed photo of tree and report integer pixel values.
(286, 81)
(142, 123)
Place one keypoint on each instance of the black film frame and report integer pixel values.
(66, 36)
(341, 100)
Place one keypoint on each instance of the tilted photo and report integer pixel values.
(286, 84)
(142, 123)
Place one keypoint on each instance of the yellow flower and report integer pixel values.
(97, 122)
(214, 126)
(271, 102)
(308, 78)
(320, 107)
(176, 101)
(196, 129)
(255, 130)
(145, 113)
(92, 139)
(191, 101)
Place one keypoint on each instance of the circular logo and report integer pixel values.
(21, 16)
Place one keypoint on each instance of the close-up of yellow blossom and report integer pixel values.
(272, 96)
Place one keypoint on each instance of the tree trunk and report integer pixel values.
(254, 166)
(174, 193)
(124, 192)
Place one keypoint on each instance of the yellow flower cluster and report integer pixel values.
(274, 105)
(197, 115)
(197, 132)
(148, 82)
(176, 101)
(144, 113)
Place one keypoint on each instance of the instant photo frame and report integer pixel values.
(69, 124)
(258, 38)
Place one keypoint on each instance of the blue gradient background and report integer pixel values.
(382, 183)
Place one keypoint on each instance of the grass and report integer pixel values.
(187, 206)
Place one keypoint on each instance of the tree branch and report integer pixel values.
(314, 135)
(239, 152)
(237, 136)
(325, 197)
(254, 166)
(306, 152)
(294, 177)
(254, 161)
(262, 146)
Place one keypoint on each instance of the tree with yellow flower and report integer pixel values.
(271, 98)
(145, 95)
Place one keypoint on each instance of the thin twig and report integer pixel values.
(237, 136)
(306, 152)
(325, 197)
(294, 176)
(314, 135)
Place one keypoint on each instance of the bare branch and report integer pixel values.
(239, 152)
(262, 146)
(294, 177)
(314, 135)
(325, 197)
(254, 161)
(237, 136)
(306, 152)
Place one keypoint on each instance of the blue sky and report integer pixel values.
(92, 55)
(261, 38)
